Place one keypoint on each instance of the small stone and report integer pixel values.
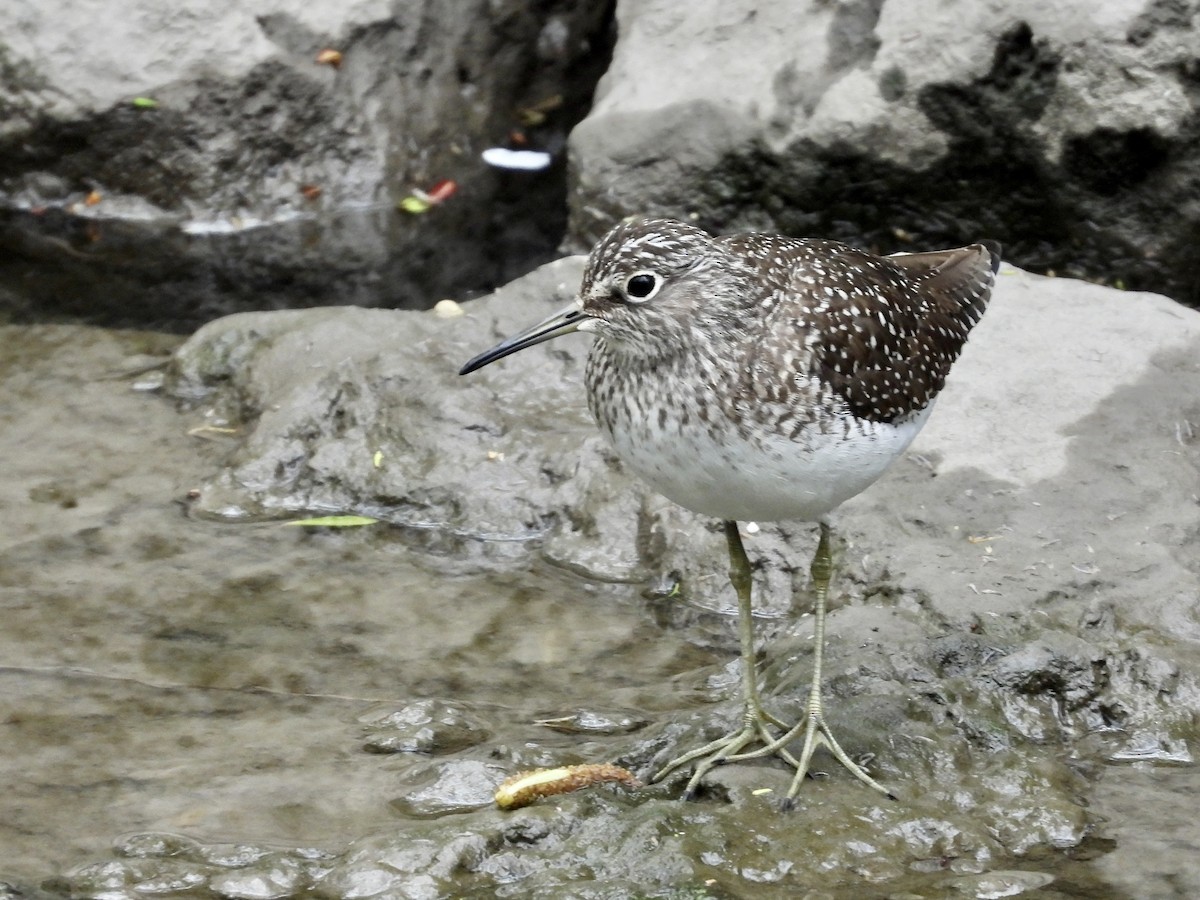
(155, 844)
(447, 309)
(426, 726)
(233, 856)
(93, 878)
(451, 786)
(994, 885)
(280, 876)
(172, 882)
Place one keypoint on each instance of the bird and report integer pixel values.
(757, 378)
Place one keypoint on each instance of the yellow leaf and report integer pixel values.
(334, 521)
(414, 205)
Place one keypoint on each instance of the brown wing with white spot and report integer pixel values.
(884, 331)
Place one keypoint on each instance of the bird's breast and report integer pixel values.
(707, 443)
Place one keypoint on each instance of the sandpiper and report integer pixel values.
(755, 378)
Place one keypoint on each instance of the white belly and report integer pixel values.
(762, 477)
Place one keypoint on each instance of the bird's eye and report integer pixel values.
(642, 286)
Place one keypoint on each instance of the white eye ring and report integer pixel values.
(644, 280)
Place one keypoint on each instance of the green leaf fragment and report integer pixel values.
(335, 521)
(414, 205)
(145, 102)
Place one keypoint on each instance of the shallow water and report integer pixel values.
(239, 685)
(169, 673)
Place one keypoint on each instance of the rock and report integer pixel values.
(990, 577)
(424, 726)
(319, 393)
(904, 123)
(269, 880)
(413, 869)
(255, 177)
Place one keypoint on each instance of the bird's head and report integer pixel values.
(645, 281)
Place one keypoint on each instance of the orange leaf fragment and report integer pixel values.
(442, 191)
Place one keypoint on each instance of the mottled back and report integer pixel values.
(881, 333)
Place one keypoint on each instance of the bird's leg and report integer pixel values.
(756, 721)
(816, 731)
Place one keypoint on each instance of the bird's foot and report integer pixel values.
(756, 727)
(816, 734)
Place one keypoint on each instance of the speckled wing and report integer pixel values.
(884, 331)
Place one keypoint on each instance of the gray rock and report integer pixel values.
(1061, 131)
(424, 726)
(320, 393)
(269, 879)
(995, 591)
(249, 114)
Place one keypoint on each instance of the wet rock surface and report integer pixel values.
(199, 699)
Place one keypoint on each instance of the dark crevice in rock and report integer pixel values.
(1096, 214)
(1109, 161)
